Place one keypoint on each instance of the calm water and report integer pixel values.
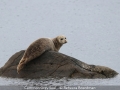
(91, 27)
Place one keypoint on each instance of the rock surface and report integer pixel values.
(54, 64)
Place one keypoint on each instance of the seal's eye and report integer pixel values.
(65, 38)
(61, 38)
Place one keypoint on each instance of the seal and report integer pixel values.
(38, 47)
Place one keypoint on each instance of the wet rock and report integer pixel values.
(54, 64)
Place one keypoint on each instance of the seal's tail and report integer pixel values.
(21, 65)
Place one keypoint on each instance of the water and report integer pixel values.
(91, 27)
(61, 81)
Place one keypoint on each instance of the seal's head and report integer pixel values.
(62, 39)
(59, 41)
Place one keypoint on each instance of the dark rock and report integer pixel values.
(54, 64)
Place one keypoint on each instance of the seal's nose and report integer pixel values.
(65, 41)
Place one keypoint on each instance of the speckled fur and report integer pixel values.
(38, 47)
